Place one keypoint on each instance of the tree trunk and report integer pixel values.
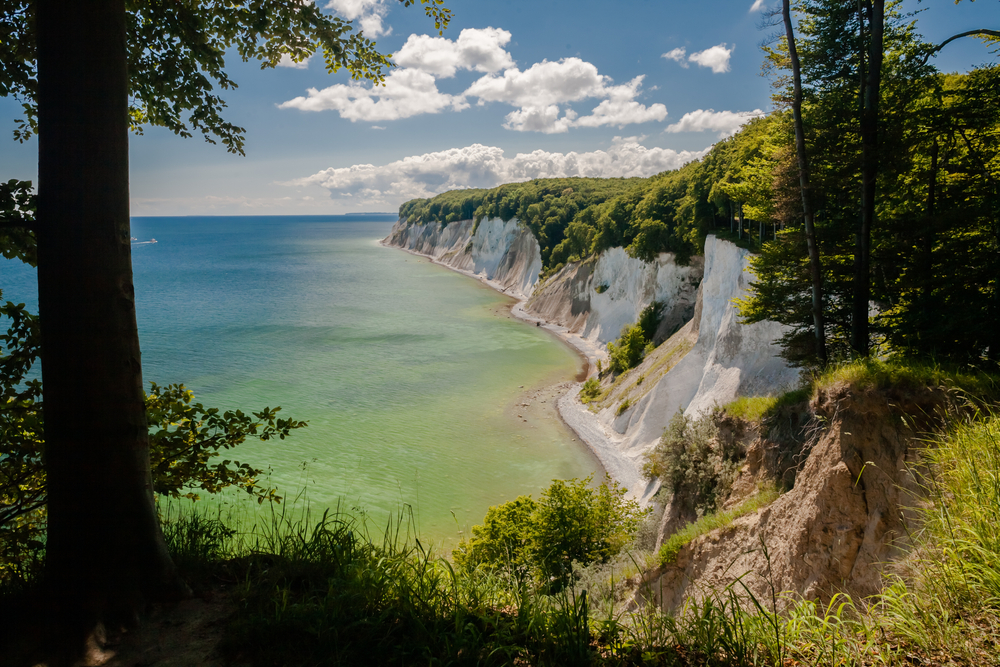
(805, 187)
(871, 88)
(105, 553)
(927, 263)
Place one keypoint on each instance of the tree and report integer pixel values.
(572, 522)
(86, 72)
(805, 185)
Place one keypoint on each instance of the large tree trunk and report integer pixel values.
(870, 93)
(815, 268)
(105, 553)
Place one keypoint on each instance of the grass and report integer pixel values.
(714, 521)
(875, 374)
(759, 408)
(901, 374)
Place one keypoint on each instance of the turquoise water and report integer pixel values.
(407, 373)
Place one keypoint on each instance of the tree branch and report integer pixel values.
(982, 32)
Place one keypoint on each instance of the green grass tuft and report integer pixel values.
(903, 373)
(714, 521)
(759, 408)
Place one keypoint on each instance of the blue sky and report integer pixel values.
(513, 90)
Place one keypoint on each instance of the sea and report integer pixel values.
(408, 374)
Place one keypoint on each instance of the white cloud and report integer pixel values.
(679, 54)
(475, 49)
(540, 94)
(286, 61)
(368, 13)
(621, 109)
(758, 6)
(407, 92)
(716, 57)
(540, 90)
(542, 84)
(539, 119)
(481, 166)
(726, 123)
(377, 127)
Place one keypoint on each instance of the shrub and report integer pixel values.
(591, 389)
(628, 351)
(692, 464)
(503, 539)
(649, 320)
(571, 522)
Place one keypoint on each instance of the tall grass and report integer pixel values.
(951, 600)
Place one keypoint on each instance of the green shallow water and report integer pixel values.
(406, 372)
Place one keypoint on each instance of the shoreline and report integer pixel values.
(573, 414)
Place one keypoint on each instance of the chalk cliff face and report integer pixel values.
(728, 359)
(597, 298)
(504, 253)
(711, 359)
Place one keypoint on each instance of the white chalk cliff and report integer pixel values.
(715, 357)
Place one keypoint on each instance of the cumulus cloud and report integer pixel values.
(542, 84)
(369, 14)
(716, 57)
(726, 123)
(481, 50)
(541, 94)
(758, 6)
(621, 109)
(479, 166)
(679, 55)
(407, 92)
(539, 91)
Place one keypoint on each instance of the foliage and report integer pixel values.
(17, 216)
(591, 389)
(176, 56)
(572, 522)
(185, 437)
(574, 218)
(935, 247)
(628, 350)
(445, 208)
(649, 320)
(693, 464)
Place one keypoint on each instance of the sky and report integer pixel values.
(511, 91)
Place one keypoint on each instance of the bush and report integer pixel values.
(693, 464)
(628, 351)
(571, 522)
(591, 389)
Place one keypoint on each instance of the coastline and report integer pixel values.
(573, 414)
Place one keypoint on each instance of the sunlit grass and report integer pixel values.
(714, 521)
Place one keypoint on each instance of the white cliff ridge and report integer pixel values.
(713, 357)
